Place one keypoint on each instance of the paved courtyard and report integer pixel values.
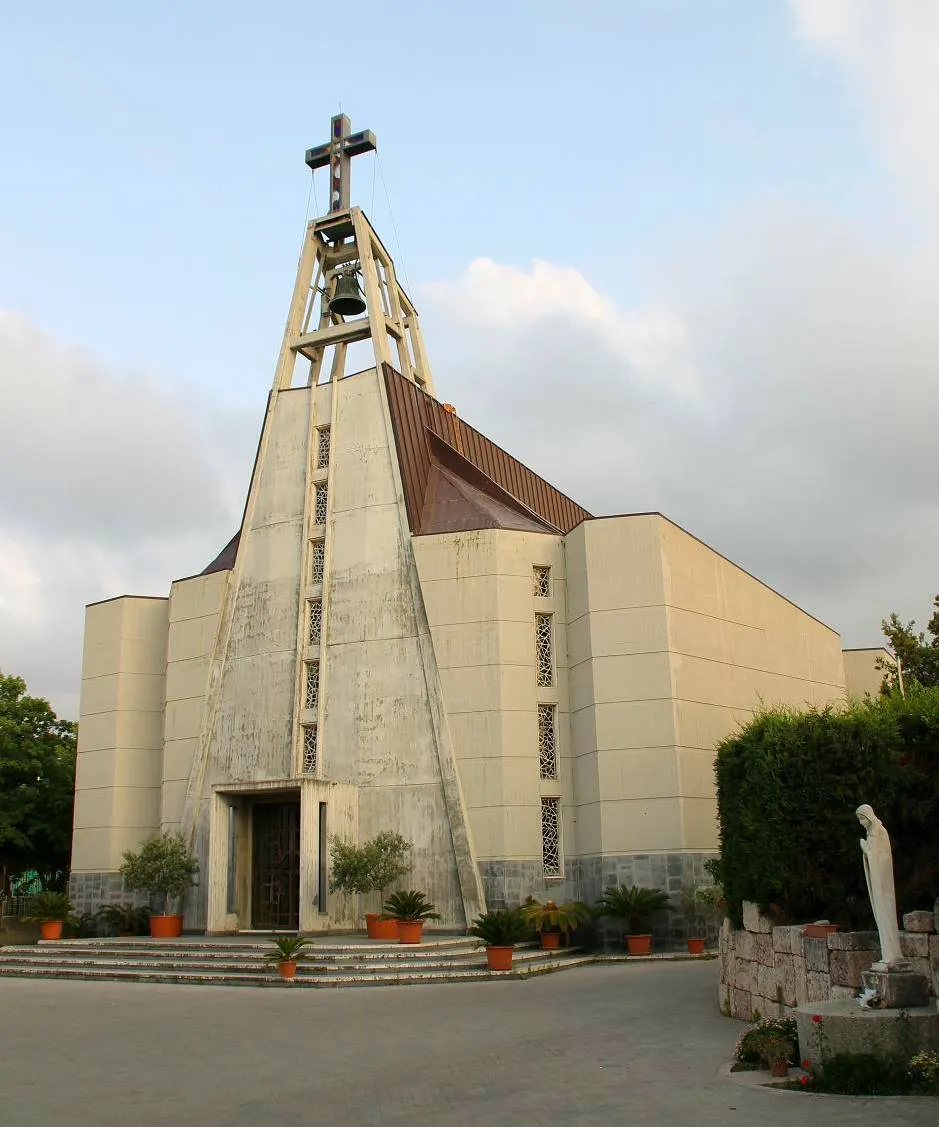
(636, 1044)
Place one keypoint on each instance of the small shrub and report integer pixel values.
(859, 1074)
(753, 1047)
(924, 1071)
(409, 906)
(502, 927)
(637, 906)
(164, 867)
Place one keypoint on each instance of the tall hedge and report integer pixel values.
(787, 789)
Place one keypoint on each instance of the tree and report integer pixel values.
(37, 786)
(917, 654)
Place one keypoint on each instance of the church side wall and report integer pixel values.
(627, 783)
(478, 592)
(120, 742)
(861, 675)
(194, 607)
(735, 645)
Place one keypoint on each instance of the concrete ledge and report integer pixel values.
(846, 1027)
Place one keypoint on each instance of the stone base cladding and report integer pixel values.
(767, 971)
(508, 883)
(91, 891)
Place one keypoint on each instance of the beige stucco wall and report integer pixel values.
(861, 675)
(194, 606)
(626, 778)
(735, 644)
(478, 593)
(120, 733)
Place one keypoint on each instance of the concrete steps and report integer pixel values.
(242, 963)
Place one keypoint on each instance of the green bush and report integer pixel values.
(787, 788)
(753, 1046)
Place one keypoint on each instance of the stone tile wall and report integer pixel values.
(91, 891)
(767, 971)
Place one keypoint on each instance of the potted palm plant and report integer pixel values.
(125, 919)
(50, 911)
(166, 869)
(288, 950)
(500, 930)
(410, 908)
(552, 921)
(637, 907)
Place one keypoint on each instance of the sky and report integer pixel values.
(675, 255)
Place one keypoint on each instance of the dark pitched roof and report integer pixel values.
(456, 479)
(225, 560)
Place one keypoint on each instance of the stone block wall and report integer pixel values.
(767, 971)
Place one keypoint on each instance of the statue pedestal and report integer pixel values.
(830, 1028)
(898, 988)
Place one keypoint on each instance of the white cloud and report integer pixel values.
(889, 52)
(113, 484)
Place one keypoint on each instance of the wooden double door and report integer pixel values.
(275, 865)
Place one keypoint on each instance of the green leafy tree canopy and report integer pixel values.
(918, 653)
(37, 786)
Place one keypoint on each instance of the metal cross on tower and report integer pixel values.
(338, 153)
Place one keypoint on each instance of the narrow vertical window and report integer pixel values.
(322, 448)
(309, 750)
(315, 633)
(317, 556)
(541, 582)
(547, 740)
(313, 685)
(551, 836)
(544, 655)
(319, 503)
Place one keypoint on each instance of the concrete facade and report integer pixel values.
(413, 632)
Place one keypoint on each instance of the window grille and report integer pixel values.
(313, 685)
(316, 622)
(541, 582)
(544, 656)
(322, 448)
(551, 836)
(317, 556)
(319, 504)
(547, 740)
(309, 750)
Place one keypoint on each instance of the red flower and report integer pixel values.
(806, 1064)
(803, 1080)
(817, 1018)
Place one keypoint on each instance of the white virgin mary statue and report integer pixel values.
(878, 870)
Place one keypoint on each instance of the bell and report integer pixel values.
(347, 301)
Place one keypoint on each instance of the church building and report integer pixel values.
(413, 631)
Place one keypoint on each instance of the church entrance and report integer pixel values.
(275, 865)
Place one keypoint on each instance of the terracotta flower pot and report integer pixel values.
(166, 927)
(550, 940)
(288, 968)
(819, 931)
(779, 1067)
(51, 929)
(385, 928)
(409, 931)
(499, 958)
(639, 944)
(695, 946)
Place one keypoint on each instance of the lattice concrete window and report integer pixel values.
(541, 582)
(322, 448)
(312, 685)
(544, 650)
(551, 836)
(547, 740)
(309, 750)
(319, 503)
(315, 633)
(317, 558)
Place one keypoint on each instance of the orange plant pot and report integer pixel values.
(288, 969)
(639, 944)
(166, 927)
(385, 928)
(550, 940)
(51, 929)
(499, 958)
(819, 931)
(695, 946)
(409, 931)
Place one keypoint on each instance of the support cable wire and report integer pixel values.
(394, 226)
